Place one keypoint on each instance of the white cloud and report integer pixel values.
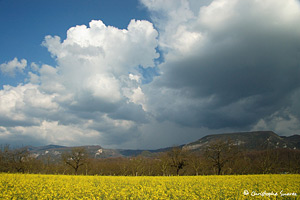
(94, 57)
(225, 68)
(136, 78)
(105, 87)
(137, 96)
(33, 78)
(33, 98)
(280, 122)
(51, 132)
(11, 101)
(34, 66)
(106, 48)
(94, 63)
(13, 66)
(172, 18)
(96, 79)
(24, 104)
(50, 80)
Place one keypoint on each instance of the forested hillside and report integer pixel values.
(234, 153)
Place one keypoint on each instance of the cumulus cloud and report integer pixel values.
(49, 131)
(99, 57)
(96, 64)
(95, 86)
(227, 65)
(13, 66)
(24, 105)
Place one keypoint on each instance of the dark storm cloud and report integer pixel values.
(6, 122)
(249, 83)
(130, 111)
(238, 74)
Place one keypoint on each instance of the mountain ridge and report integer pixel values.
(255, 140)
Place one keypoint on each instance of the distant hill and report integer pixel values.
(44, 148)
(257, 140)
(53, 152)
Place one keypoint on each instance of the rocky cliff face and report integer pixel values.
(258, 140)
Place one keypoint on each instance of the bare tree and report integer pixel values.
(163, 163)
(17, 158)
(178, 158)
(195, 162)
(267, 160)
(220, 153)
(137, 165)
(76, 158)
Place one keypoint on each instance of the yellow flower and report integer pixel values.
(25, 186)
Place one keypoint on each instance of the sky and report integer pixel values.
(146, 74)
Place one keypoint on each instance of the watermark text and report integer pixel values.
(269, 194)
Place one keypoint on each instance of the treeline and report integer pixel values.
(218, 158)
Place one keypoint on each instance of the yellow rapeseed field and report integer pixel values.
(28, 186)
